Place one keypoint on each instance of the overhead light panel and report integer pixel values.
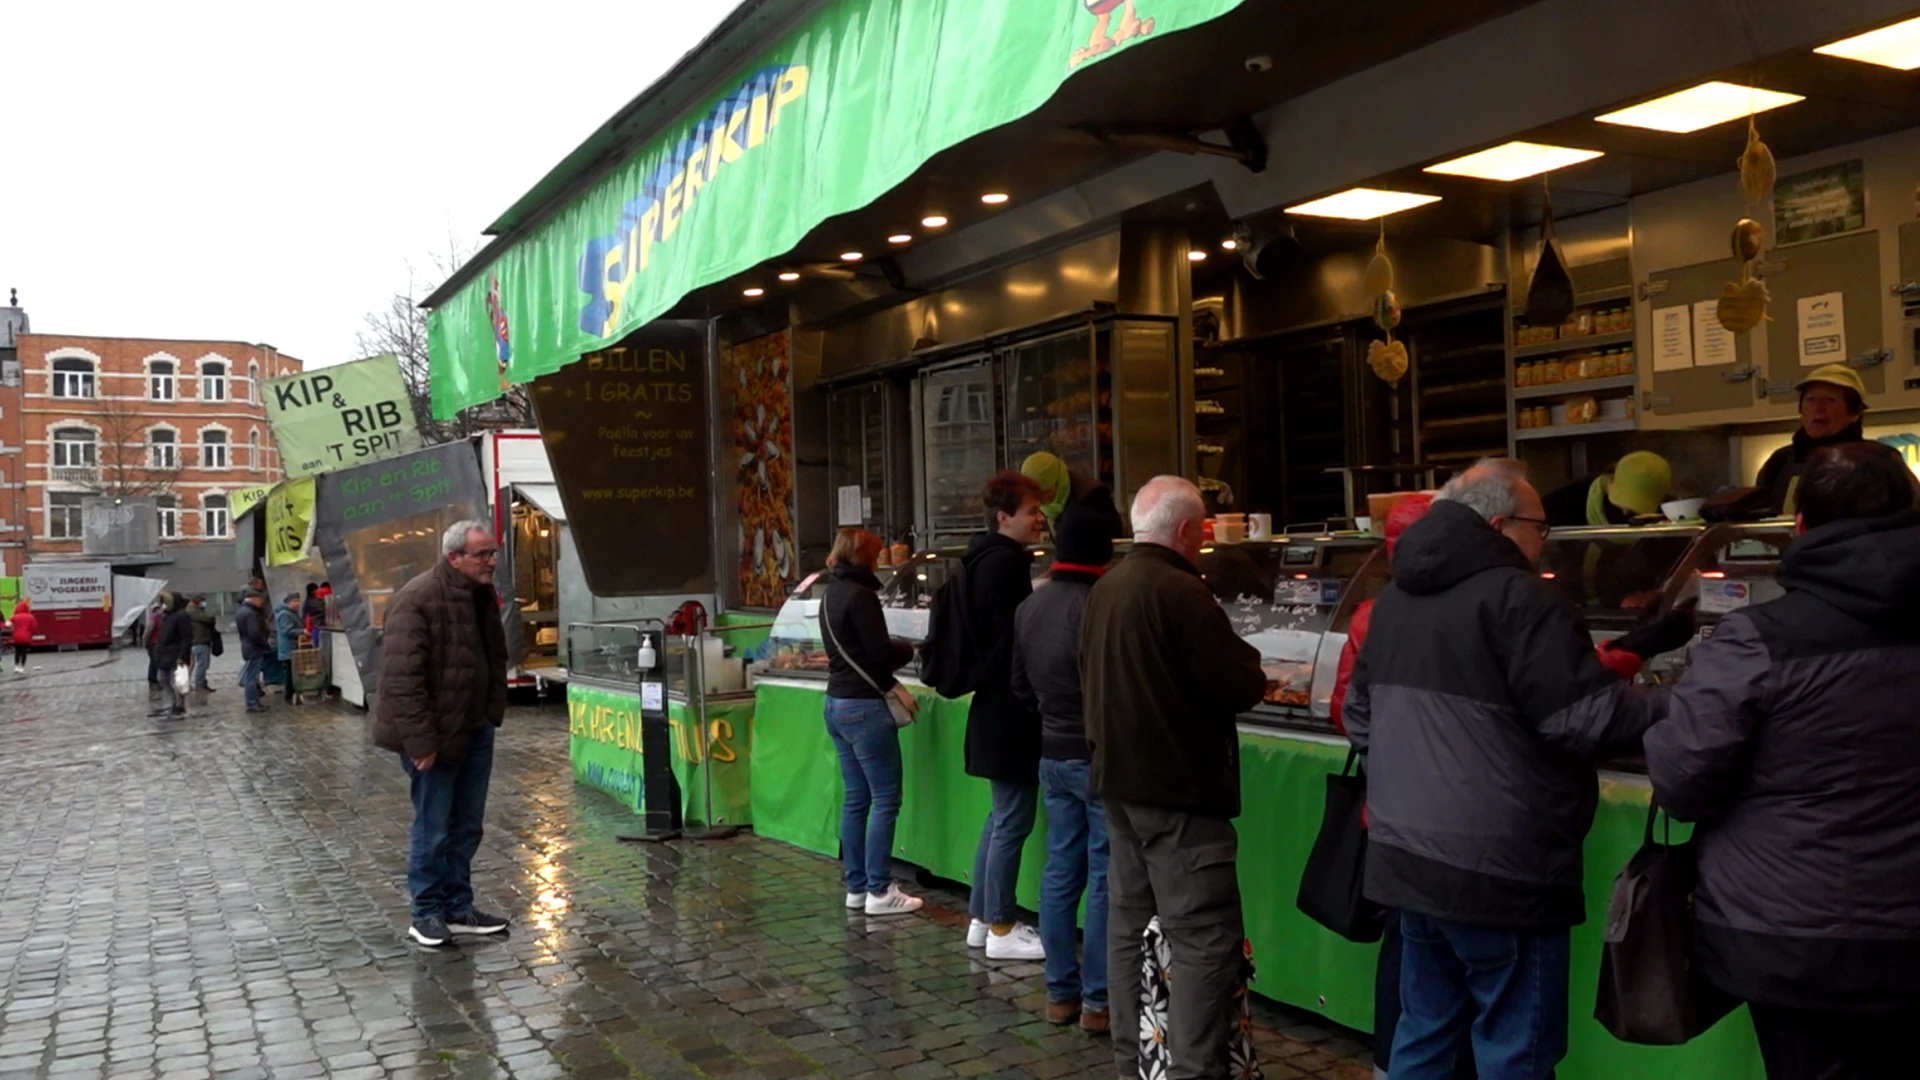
(1700, 107)
(1363, 204)
(1896, 46)
(1513, 161)
(851, 256)
(790, 275)
(1196, 255)
(754, 291)
(1229, 244)
(994, 198)
(900, 238)
(934, 221)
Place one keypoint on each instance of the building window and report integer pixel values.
(213, 511)
(72, 377)
(213, 380)
(163, 449)
(160, 376)
(63, 515)
(168, 509)
(75, 448)
(253, 452)
(213, 449)
(253, 382)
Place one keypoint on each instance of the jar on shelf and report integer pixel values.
(1626, 361)
(1570, 369)
(1523, 375)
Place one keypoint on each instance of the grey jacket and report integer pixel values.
(1046, 662)
(1794, 739)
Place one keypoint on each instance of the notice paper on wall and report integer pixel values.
(1672, 338)
(1823, 329)
(1712, 343)
(849, 508)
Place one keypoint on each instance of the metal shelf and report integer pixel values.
(1573, 344)
(1563, 431)
(1463, 387)
(1464, 421)
(1612, 382)
(1590, 298)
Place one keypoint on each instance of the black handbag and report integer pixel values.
(1651, 992)
(217, 646)
(1330, 886)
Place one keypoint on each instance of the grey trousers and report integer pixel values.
(1181, 867)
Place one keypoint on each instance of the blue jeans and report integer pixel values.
(869, 744)
(1518, 981)
(449, 802)
(256, 666)
(996, 863)
(1076, 860)
(202, 659)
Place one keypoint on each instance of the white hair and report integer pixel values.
(1491, 488)
(1162, 505)
(454, 540)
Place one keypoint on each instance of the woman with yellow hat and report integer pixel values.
(1832, 403)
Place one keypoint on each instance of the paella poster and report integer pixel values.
(757, 376)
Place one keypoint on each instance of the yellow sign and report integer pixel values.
(245, 499)
(289, 521)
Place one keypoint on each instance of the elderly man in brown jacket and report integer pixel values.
(442, 691)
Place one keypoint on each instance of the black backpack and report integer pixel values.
(949, 662)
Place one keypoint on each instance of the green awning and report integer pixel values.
(848, 106)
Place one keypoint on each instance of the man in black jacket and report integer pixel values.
(1164, 679)
(1003, 735)
(1792, 740)
(1046, 676)
(1481, 707)
(250, 626)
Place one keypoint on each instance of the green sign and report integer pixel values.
(847, 107)
(241, 500)
(333, 417)
(1821, 202)
(604, 743)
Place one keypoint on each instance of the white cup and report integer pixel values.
(1259, 526)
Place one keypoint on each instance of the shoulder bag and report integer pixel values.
(903, 714)
(1331, 885)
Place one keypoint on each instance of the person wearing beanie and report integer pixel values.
(1046, 677)
(1634, 488)
(1061, 488)
(1833, 408)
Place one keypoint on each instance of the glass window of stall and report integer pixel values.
(1613, 575)
(1282, 597)
(1059, 393)
(960, 424)
(858, 451)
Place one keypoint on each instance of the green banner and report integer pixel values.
(241, 500)
(848, 106)
(604, 744)
(333, 417)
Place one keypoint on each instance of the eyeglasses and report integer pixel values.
(1545, 528)
(485, 554)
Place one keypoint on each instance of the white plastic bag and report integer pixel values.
(181, 679)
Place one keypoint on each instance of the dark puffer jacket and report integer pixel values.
(1481, 707)
(1046, 662)
(1780, 473)
(443, 666)
(1794, 739)
(851, 610)
(1003, 734)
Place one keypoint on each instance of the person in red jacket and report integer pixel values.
(25, 626)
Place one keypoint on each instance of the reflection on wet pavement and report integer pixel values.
(224, 895)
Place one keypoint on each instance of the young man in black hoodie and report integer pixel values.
(1046, 676)
(1003, 735)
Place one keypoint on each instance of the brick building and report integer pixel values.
(180, 422)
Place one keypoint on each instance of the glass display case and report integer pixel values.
(1729, 567)
(962, 445)
(1060, 400)
(794, 645)
(1612, 574)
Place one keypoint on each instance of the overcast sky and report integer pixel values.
(265, 172)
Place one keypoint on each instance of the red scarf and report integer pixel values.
(1076, 568)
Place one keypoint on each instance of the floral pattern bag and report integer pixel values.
(1156, 1058)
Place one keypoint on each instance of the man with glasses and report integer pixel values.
(442, 692)
(1480, 706)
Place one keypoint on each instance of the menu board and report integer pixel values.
(627, 431)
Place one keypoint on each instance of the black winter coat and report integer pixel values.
(1481, 706)
(1046, 662)
(1794, 740)
(251, 628)
(1003, 734)
(1782, 469)
(175, 645)
(859, 630)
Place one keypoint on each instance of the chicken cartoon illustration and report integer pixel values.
(1131, 26)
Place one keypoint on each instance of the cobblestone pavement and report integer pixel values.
(224, 895)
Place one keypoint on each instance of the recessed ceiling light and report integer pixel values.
(790, 275)
(994, 198)
(1229, 244)
(1896, 46)
(934, 221)
(851, 256)
(1363, 204)
(1513, 161)
(1196, 255)
(1699, 107)
(755, 291)
(900, 238)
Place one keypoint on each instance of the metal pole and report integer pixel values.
(698, 706)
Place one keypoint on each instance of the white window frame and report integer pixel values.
(172, 446)
(255, 459)
(168, 516)
(253, 382)
(225, 444)
(214, 387)
(176, 369)
(56, 445)
(77, 526)
(212, 516)
(84, 385)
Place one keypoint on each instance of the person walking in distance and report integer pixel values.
(1003, 734)
(1481, 854)
(1792, 741)
(286, 639)
(1046, 675)
(441, 694)
(861, 660)
(1164, 679)
(24, 627)
(204, 631)
(173, 648)
(250, 626)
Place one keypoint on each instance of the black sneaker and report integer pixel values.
(430, 931)
(477, 922)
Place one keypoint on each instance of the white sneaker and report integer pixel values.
(893, 902)
(1020, 943)
(977, 934)
(856, 901)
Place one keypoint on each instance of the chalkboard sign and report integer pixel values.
(627, 431)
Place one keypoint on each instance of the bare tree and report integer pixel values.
(130, 463)
(401, 329)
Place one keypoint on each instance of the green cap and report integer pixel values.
(1835, 375)
(1640, 483)
(1056, 485)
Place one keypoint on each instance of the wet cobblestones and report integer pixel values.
(224, 895)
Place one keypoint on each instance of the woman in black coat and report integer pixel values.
(861, 660)
(174, 649)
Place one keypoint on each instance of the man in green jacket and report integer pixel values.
(204, 633)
